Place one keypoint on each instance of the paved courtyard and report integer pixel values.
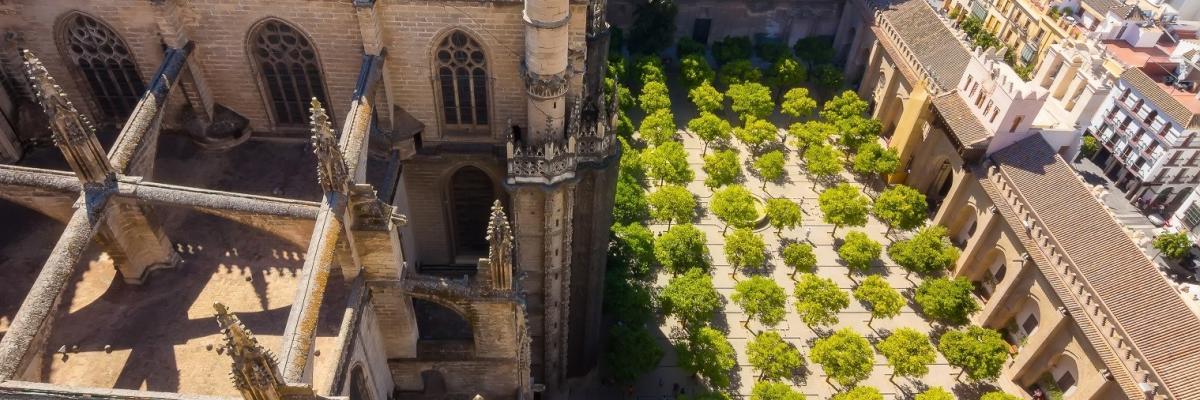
(797, 187)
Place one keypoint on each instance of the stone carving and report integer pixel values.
(255, 370)
(500, 249)
(545, 86)
(72, 132)
(556, 161)
(331, 168)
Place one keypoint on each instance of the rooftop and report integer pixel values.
(961, 122)
(924, 33)
(1128, 285)
(1182, 106)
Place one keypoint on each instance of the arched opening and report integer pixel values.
(996, 270)
(434, 383)
(1024, 323)
(962, 227)
(289, 71)
(105, 63)
(942, 181)
(471, 195)
(442, 332)
(462, 83)
(359, 390)
(1063, 375)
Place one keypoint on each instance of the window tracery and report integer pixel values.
(289, 69)
(462, 83)
(106, 64)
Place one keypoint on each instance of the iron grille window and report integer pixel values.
(1192, 216)
(106, 65)
(290, 73)
(462, 81)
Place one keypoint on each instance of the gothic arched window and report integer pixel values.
(291, 75)
(463, 83)
(105, 63)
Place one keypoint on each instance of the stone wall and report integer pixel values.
(789, 20)
(426, 180)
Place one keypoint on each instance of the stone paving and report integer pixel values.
(796, 186)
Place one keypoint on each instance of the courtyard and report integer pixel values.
(670, 378)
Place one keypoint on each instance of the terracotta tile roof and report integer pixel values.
(1155, 94)
(1164, 330)
(1102, 6)
(932, 43)
(963, 123)
(1062, 290)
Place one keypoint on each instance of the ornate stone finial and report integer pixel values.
(331, 168)
(72, 132)
(255, 370)
(500, 248)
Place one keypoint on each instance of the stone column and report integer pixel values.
(176, 36)
(546, 36)
(72, 132)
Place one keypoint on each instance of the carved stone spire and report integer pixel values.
(331, 168)
(72, 132)
(255, 370)
(500, 249)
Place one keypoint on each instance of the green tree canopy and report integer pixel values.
(650, 69)
(691, 298)
(658, 127)
(672, 203)
(680, 248)
(632, 352)
(739, 71)
(845, 356)
(843, 205)
(668, 163)
(709, 128)
(630, 201)
(815, 49)
(818, 300)
(800, 258)
(1089, 146)
(935, 393)
(769, 166)
(624, 126)
(707, 98)
(874, 160)
(654, 97)
(879, 297)
(751, 100)
(732, 48)
(722, 168)
(630, 299)
(786, 73)
(744, 248)
(771, 390)
(999, 396)
(980, 352)
(859, 393)
(653, 28)
(811, 133)
(631, 161)
(797, 103)
(859, 251)
(901, 207)
(761, 299)
(706, 352)
(773, 357)
(823, 162)
(634, 244)
(908, 351)
(928, 252)
(734, 205)
(783, 213)
(843, 106)
(756, 133)
(1173, 245)
(857, 131)
(949, 301)
(827, 76)
(694, 69)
